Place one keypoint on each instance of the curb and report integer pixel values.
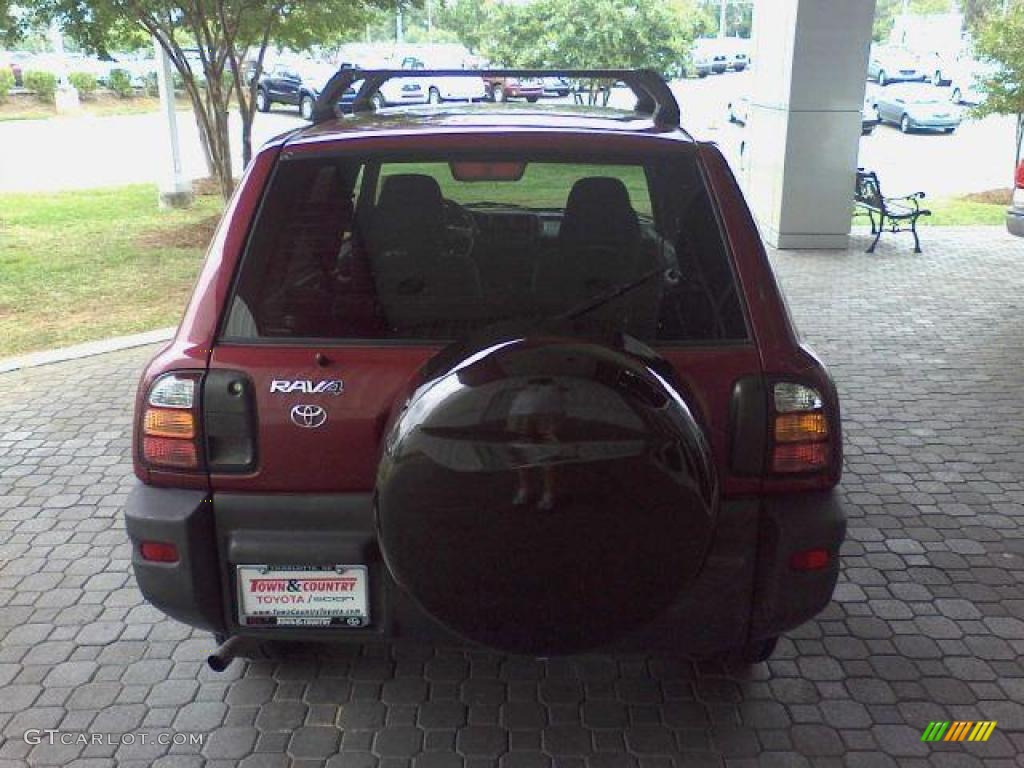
(88, 349)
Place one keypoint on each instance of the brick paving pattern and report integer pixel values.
(927, 624)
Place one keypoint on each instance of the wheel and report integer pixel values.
(532, 99)
(497, 530)
(948, 130)
(498, 94)
(701, 73)
(937, 78)
(956, 96)
(378, 101)
(306, 107)
(732, 114)
(905, 124)
(434, 97)
(881, 77)
(262, 101)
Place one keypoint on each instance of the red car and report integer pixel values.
(502, 88)
(1015, 213)
(517, 378)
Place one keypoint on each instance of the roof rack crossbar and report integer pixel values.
(654, 97)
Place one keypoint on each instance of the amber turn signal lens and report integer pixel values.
(170, 452)
(800, 427)
(805, 457)
(164, 423)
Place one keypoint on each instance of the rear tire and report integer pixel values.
(262, 101)
(937, 78)
(956, 96)
(498, 94)
(881, 77)
(905, 126)
(378, 101)
(434, 97)
(306, 107)
(757, 651)
(532, 99)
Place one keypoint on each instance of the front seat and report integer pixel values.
(600, 247)
(422, 287)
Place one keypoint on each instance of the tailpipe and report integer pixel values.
(221, 659)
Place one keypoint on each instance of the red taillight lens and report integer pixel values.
(810, 560)
(800, 430)
(170, 423)
(158, 551)
(170, 452)
(1018, 179)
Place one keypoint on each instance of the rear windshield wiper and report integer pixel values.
(670, 275)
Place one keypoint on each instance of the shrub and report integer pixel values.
(6, 83)
(43, 83)
(152, 87)
(84, 82)
(120, 82)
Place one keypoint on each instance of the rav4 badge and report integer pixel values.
(305, 386)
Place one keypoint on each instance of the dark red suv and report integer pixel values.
(489, 374)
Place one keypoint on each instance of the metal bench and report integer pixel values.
(898, 211)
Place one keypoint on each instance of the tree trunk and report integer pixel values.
(1020, 138)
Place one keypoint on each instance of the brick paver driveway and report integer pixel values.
(927, 623)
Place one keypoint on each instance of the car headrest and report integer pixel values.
(599, 211)
(410, 206)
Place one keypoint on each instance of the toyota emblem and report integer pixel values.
(308, 416)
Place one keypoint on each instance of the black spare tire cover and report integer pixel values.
(545, 496)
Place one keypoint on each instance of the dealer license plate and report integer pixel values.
(303, 596)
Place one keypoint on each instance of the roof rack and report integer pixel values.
(654, 97)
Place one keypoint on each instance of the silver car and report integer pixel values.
(892, 64)
(917, 107)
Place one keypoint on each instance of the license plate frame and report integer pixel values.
(303, 596)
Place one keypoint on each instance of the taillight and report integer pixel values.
(800, 429)
(1018, 179)
(170, 423)
(158, 551)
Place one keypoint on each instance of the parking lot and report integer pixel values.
(927, 622)
(131, 149)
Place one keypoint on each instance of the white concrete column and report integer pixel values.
(809, 69)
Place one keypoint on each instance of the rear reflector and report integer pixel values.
(800, 427)
(158, 551)
(810, 560)
(167, 423)
(800, 457)
(170, 452)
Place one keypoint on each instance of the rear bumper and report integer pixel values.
(1015, 221)
(746, 589)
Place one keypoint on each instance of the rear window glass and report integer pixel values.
(433, 248)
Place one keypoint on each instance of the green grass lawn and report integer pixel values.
(104, 105)
(84, 265)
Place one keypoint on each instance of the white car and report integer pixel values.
(438, 89)
(968, 79)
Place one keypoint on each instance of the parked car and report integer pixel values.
(562, 410)
(1015, 213)
(557, 86)
(739, 110)
(505, 88)
(892, 64)
(740, 53)
(739, 113)
(917, 107)
(710, 56)
(440, 89)
(967, 85)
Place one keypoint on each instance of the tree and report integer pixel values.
(216, 46)
(585, 33)
(1000, 40)
(886, 12)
